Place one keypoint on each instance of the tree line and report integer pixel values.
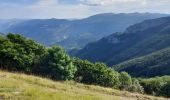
(19, 54)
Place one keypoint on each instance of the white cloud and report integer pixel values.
(110, 2)
(53, 9)
(46, 3)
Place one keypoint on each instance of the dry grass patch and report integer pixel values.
(26, 87)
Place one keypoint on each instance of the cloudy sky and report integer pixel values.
(77, 8)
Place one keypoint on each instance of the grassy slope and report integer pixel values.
(25, 87)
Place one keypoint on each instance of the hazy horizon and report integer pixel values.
(77, 9)
(80, 18)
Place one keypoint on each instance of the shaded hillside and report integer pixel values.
(155, 64)
(25, 87)
(75, 33)
(138, 40)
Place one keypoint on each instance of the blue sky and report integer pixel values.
(77, 8)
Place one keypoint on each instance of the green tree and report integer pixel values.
(58, 64)
(165, 90)
(135, 87)
(125, 80)
(18, 53)
(98, 74)
(153, 85)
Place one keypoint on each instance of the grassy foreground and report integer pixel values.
(27, 87)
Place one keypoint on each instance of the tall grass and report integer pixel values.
(27, 87)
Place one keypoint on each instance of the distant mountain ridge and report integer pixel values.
(138, 40)
(75, 33)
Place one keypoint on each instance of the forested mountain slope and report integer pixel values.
(154, 64)
(138, 40)
(74, 33)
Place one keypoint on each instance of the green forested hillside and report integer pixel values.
(154, 64)
(138, 40)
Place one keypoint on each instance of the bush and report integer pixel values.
(153, 86)
(165, 90)
(18, 53)
(57, 64)
(125, 80)
(129, 84)
(158, 86)
(98, 74)
(135, 87)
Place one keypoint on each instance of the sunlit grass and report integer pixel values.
(26, 87)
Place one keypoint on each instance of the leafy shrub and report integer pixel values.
(57, 64)
(158, 86)
(135, 87)
(97, 73)
(165, 90)
(18, 53)
(125, 80)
